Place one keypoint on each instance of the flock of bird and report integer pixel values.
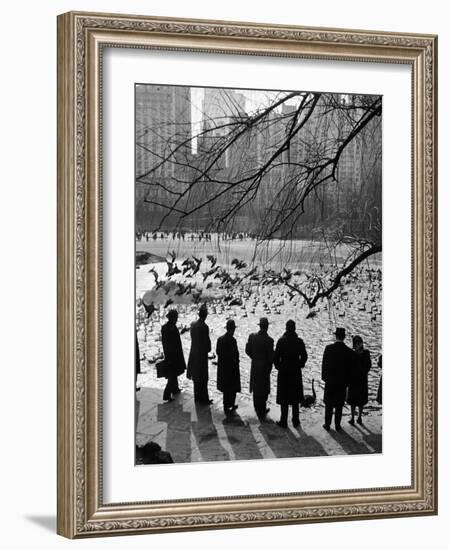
(187, 278)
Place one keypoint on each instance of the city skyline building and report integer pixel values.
(163, 124)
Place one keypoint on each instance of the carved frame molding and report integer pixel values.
(81, 38)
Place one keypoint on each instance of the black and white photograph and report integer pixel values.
(258, 274)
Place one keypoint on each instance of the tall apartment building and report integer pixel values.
(357, 182)
(220, 107)
(163, 124)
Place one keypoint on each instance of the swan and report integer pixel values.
(309, 400)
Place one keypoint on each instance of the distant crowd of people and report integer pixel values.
(191, 235)
(344, 370)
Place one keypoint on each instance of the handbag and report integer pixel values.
(161, 369)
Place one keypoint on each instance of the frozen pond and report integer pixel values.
(273, 254)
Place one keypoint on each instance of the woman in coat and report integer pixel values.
(173, 355)
(290, 357)
(358, 379)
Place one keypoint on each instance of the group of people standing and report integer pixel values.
(344, 370)
(345, 374)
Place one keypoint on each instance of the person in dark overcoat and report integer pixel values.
(358, 379)
(198, 366)
(137, 368)
(173, 355)
(337, 360)
(228, 369)
(290, 356)
(379, 388)
(260, 349)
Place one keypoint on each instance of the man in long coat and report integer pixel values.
(290, 357)
(260, 349)
(173, 355)
(337, 361)
(228, 369)
(197, 366)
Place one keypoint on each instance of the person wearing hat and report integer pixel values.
(260, 349)
(337, 363)
(290, 357)
(173, 355)
(228, 370)
(197, 366)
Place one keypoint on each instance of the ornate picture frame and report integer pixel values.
(82, 38)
